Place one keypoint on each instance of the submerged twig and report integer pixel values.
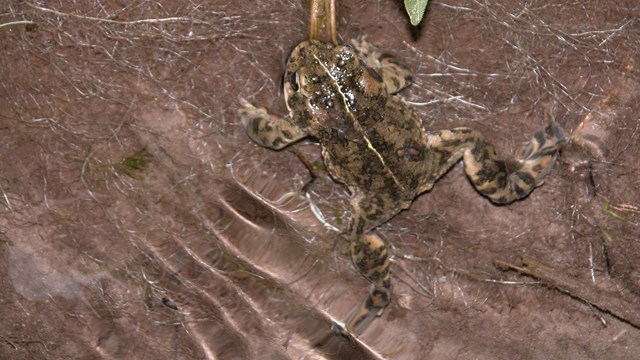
(618, 305)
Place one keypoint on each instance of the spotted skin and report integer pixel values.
(267, 130)
(373, 143)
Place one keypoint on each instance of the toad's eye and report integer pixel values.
(293, 80)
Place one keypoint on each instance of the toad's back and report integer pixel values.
(378, 146)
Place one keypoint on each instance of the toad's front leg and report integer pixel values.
(268, 130)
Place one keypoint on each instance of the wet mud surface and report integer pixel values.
(137, 220)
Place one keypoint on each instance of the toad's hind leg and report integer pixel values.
(488, 173)
(369, 254)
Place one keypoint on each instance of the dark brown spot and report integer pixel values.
(489, 172)
(540, 137)
(501, 200)
(525, 177)
(255, 125)
(277, 141)
(396, 82)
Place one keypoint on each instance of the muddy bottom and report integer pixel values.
(138, 221)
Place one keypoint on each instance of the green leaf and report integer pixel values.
(415, 9)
